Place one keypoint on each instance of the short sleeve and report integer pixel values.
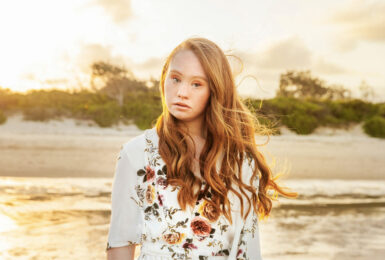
(126, 222)
(249, 247)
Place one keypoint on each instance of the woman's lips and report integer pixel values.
(181, 106)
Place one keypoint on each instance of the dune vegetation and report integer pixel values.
(302, 103)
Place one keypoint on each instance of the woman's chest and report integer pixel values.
(162, 211)
(198, 226)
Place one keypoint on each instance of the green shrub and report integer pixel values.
(375, 126)
(302, 116)
(288, 105)
(3, 118)
(38, 113)
(9, 100)
(143, 106)
(330, 120)
(300, 123)
(363, 109)
(105, 115)
(143, 109)
(381, 109)
(147, 118)
(352, 110)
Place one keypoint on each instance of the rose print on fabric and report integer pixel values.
(150, 194)
(163, 171)
(162, 182)
(173, 238)
(201, 228)
(160, 199)
(151, 210)
(177, 233)
(223, 252)
(240, 251)
(189, 245)
(169, 212)
(150, 174)
(147, 172)
(208, 211)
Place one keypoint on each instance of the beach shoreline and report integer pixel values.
(75, 148)
(56, 179)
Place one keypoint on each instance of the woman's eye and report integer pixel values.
(174, 79)
(197, 84)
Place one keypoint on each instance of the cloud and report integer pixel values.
(55, 81)
(119, 10)
(152, 67)
(287, 54)
(324, 67)
(28, 76)
(45, 81)
(290, 53)
(153, 63)
(359, 21)
(266, 65)
(90, 53)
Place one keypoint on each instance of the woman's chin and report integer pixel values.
(182, 116)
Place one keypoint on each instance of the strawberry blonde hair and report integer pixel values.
(230, 130)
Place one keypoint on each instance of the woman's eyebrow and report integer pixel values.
(197, 76)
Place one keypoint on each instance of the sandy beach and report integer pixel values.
(47, 214)
(72, 148)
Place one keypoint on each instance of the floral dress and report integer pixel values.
(145, 211)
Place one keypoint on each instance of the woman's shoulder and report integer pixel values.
(137, 144)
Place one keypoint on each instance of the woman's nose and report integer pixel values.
(183, 90)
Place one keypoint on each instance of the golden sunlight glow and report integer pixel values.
(46, 44)
(6, 224)
(40, 39)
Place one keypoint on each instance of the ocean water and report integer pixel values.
(68, 218)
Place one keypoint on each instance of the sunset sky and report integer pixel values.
(47, 43)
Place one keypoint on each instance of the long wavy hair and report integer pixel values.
(230, 127)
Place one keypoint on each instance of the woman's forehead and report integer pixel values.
(186, 64)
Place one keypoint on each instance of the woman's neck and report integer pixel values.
(195, 128)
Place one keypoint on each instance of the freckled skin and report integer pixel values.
(185, 88)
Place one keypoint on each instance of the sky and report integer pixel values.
(52, 43)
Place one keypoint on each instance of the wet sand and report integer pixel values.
(68, 218)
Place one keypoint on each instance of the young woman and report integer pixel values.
(194, 186)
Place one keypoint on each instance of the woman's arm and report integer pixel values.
(121, 253)
(126, 220)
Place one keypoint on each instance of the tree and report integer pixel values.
(115, 81)
(367, 92)
(302, 85)
(335, 92)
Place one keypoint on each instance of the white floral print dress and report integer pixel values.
(145, 211)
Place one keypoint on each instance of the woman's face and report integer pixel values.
(186, 82)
